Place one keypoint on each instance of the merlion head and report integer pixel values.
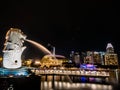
(15, 34)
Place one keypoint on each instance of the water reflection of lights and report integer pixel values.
(77, 84)
(60, 84)
(14, 72)
(94, 87)
(45, 84)
(82, 84)
(105, 87)
(68, 85)
(49, 84)
(72, 86)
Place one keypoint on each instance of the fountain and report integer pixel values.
(41, 47)
(13, 75)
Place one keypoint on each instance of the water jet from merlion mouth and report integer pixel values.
(41, 47)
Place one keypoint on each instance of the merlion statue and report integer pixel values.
(13, 48)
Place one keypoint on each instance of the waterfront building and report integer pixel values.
(89, 57)
(72, 56)
(93, 57)
(111, 58)
(77, 59)
(98, 58)
(102, 54)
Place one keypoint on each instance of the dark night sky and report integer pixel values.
(67, 25)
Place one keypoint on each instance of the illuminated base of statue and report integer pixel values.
(18, 79)
(20, 72)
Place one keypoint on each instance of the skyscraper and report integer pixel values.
(77, 59)
(109, 48)
(89, 57)
(111, 58)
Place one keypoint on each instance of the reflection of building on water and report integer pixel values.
(58, 85)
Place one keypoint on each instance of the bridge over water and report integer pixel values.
(76, 72)
(72, 75)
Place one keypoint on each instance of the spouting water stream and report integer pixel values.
(45, 50)
(41, 47)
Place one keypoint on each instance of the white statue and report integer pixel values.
(13, 48)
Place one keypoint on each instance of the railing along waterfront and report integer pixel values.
(76, 72)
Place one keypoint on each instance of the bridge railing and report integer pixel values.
(104, 73)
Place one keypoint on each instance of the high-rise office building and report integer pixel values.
(96, 58)
(89, 57)
(77, 58)
(83, 57)
(72, 56)
(102, 54)
(109, 48)
(111, 58)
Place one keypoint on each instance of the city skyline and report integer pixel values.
(79, 26)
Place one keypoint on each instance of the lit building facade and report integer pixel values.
(77, 58)
(72, 56)
(98, 57)
(94, 57)
(89, 58)
(111, 58)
